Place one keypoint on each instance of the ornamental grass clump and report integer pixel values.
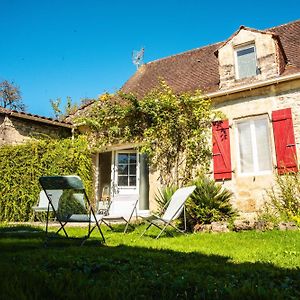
(163, 196)
(210, 202)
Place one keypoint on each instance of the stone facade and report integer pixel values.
(240, 103)
(17, 129)
(268, 54)
(250, 191)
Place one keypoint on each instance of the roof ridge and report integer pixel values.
(181, 53)
(12, 111)
(281, 25)
(212, 44)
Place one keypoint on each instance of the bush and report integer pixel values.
(284, 197)
(22, 165)
(210, 202)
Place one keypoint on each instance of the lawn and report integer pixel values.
(244, 265)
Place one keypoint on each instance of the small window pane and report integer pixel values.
(122, 158)
(123, 169)
(132, 169)
(246, 60)
(122, 180)
(132, 159)
(244, 52)
(132, 180)
(245, 147)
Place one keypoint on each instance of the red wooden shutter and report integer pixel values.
(284, 141)
(221, 150)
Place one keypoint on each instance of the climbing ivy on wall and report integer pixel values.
(22, 165)
(174, 130)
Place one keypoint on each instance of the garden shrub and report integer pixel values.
(284, 198)
(22, 165)
(210, 202)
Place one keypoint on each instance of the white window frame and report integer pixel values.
(256, 172)
(114, 176)
(252, 45)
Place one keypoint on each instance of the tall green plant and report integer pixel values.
(210, 202)
(173, 129)
(284, 197)
(163, 196)
(22, 165)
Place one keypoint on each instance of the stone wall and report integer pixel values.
(250, 191)
(269, 58)
(16, 130)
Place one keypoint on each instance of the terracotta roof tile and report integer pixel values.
(289, 35)
(33, 117)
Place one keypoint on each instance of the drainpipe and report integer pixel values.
(144, 185)
(73, 132)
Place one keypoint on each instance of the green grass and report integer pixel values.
(245, 265)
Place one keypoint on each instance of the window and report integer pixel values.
(127, 164)
(254, 155)
(246, 62)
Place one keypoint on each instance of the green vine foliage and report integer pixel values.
(22, 165)
(174, 130)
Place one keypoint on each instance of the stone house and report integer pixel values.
(254, 78)
(17, 127)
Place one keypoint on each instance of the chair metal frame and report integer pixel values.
(49, 183)
(111, 217)
(154, 219)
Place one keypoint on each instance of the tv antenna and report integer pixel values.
(137, 57)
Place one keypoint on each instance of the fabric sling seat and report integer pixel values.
(172, 212)
(73, 206)
(121, 209)
(43, 204)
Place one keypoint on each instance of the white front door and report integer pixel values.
(125, 173)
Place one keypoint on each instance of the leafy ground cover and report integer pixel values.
(244, 265)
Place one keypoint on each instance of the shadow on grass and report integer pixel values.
(37, 235)
(129, 272)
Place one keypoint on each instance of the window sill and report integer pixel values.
(265, 173)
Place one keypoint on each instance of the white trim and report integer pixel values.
(252, 86)
(116, 188)
(236, 64)
(116, 147)
(97, 179)
(255, 172)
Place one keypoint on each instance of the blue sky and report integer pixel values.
(76, 48)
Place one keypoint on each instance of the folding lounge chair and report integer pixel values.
(104, 203)
(120, 210)
(73, 205)
(44, 205)
(173, 211)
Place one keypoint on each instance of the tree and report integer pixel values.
(174, 130)
(59, 112)
(10, 96)
(70, 107)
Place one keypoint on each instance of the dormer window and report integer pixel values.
(246, 62)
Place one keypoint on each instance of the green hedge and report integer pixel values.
(22, 165)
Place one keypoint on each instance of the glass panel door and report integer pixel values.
(126, 172)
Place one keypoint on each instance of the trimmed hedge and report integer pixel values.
(22, 165)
